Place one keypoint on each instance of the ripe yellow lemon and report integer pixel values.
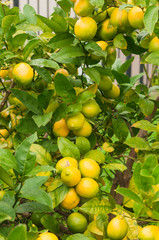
(135, 17)
(85, 28)
(60, 128)
(117, 228)
(87, 188)
(76, 222)
(71, 200)
(105, 83)
(70, 176)
(110, 10)
(22, 73)
(66, 162)
(119, 19)
(91, 108)
(154, 44)
(83, 8)
(75, 122)
(148, 233)
(89, 168)
(85, 131)
(47, 236)
(107, 31)
(62, 71)
(103, 45)
(3, 73)
(114, 92)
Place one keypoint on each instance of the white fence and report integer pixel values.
(46, 7)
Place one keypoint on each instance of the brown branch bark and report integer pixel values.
(4, 100)
(123, 179)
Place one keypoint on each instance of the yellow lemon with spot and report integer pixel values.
(23, 73)
(66, 162)
(135, 17)
(70, 176)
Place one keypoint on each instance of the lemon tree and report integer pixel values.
(79, 134)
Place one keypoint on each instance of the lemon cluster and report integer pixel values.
(78, 122)
(80, 177)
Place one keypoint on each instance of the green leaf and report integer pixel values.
(42, 120)
(120, 129)
(8, 21)
(44, 63)
(64, 88)
(31, 191)
(97, 4)
(58, 195)
(27, 126)
(124, 67)
(51, 223)
(28, 27)
(155, 174)
(93, 74)
(83, 145)
(6, 178)
(133, 47)
(146, 106)
(120, 77)
(7, 160)
(28, 100)
(61, 40)
(151, 18)
(44, 73)
(78, 236)
(137, 142)
(29, 48)
(38, 169)
(136, 175)
(68, 148)
(24, 160)
(57, 23)
(145, 125)
(95, 206)
(19, 40)
(18, 233)
(129, 194)
(120, 42)
(84, 96)
(68, 54)
(153, 58)
(32, 207)
(74, 108)
(115, 166)
(60, 112)
(29, 13)
(7, 211)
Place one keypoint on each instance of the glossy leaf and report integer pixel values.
(64, 88)
(93, 74)
(120, 129)
(7, 160)
(58, 195)
(151, 18)
(42, 120)
(29, 48)
(18, 233)
(120, 42)
(137, 142)
(145, 125)
(128, 193)
(51, 223)
(68, 148)
(95, 206)
(7, 211)
(23, 159)
(61, 40)
(44, 63)
(6, 178)
(78, 236)
(146, 106)
(28, 100)
(32, 207)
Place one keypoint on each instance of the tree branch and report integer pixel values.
(6, 97)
